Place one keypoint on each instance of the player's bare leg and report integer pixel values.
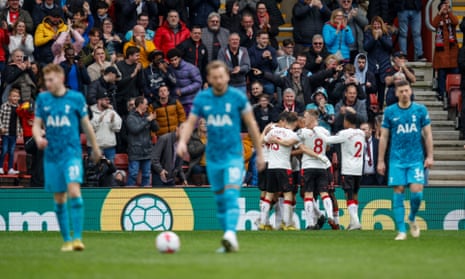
(77, 215)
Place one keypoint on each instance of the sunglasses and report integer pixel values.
(318, 44)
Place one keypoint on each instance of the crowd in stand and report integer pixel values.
(140, 63)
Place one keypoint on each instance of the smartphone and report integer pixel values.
(25, 58)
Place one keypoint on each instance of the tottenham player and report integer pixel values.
(352, 142)
(407, 127)
(281, 139)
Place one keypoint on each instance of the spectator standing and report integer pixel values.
(357, 20)
(446, 45)
(326, 112)
(46, 34)
(199, 11)
(370, 157)
(285, 60)
(365, 78)
(169, 111)
(391, 97)
(45, 9)
(338, 35)
(379, 8)
(265, 22)
(247, 31)
(171, 33)
(101, 9)
(263, 57)
(195, 52)
(188, 79)
(111, 40)
(75, 73)
(96, 69)
(238, 62)
(10, 127)
(308, 18)
(126, 12)
(14, 13)
(166, 164)
(398, 65)
(409, 15)
(131, 83)
(105, 83)
(106, 123)
(349, 104)
(142, 20)
(139, 126)
(317, 54)
(19, 39)
(179, 6)
(214, 36)
(348, 78)
(289, 104)
(18, 73)
(197, 172)
(70, 38)
(264, 112)
(144, 45)
(378, 44)
(231, 19)
(87, 53)
(156, 75)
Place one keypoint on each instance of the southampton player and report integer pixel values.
(352, 142)
(60, 112)
(407, 126)
(281, 139)
(224, 107)
(315, 170)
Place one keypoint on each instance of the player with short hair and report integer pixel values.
(60, 112)
(223, 107)
(407, 127)
(352, 141)
(281, 139)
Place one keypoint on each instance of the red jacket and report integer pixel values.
(165, 39)
(4, 41)
(26, 116)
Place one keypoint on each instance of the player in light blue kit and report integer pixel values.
(407, 126)
(60, 112)
(223, 107)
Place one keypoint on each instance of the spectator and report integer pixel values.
(330, 83)
(25, 112)
(111, 40)
(156, 75)
(45, 9)
(365, 78)
(274, 11)
(131, 83)
(197, 172)
(75, 73)
(18, 73)
(166, 164)
(266, 23)
(142, 20)
(326, 111)
(256, 90)
(139, 126)
(38, 76)
(409, 15)
(122, 136)
(238, 62)
(338, 35)
(171, 33)
(248, 6)
(289, 104)
(399, 65)
(106, 123)
(231, 19)
(263, 58)
(357, 21)
(348, 78)
(195, 52)
(349, 104)
(199, 10)
(144, 45)
(19, 39)
(379, 8)
(264, 111)
(70, 38)
(105, 83)
(285, 60)
(96, 69)
(87, 53)
(301, 59)
(127, 14)
(308, 18)
(46, 34)
(83, 20)
(99, 174)
(169, 111)
(179, 6)
(370, 159)
(391, 97)
(247, 31)
(317, 54)
(10, 127)
(446, 46)
(119, 178)
(150, 8)
(188, 79)
(101, 7)
(214, 36)
(378, 44)
(14, 13)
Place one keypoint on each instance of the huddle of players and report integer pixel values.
(279, 182)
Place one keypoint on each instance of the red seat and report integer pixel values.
(453, 82)
(121, 161)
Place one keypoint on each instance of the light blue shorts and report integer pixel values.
(225, 174)
(405, 175)
(59, 174)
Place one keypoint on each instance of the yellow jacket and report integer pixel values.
(144, 52)
(45, 32)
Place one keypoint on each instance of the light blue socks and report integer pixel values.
(77, 216)
(221, 210)
(231, 199)
(61, 210)
(415, 201)
(399, 211)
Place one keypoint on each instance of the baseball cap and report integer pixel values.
(398, 54)
(102, 95)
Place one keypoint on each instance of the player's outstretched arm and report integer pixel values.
(254, 133)
(185, 135)
(90, 135)
(428, 138)
(382, 151)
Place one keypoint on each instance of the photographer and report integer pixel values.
(100, 174)
(75, 73)
(106, 83)
(156, 75)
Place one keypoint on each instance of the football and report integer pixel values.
(167, 242)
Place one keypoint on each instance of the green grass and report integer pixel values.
(288, 255)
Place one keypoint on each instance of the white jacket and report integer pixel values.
(104, 128)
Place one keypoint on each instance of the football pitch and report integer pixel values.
(277, 254)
